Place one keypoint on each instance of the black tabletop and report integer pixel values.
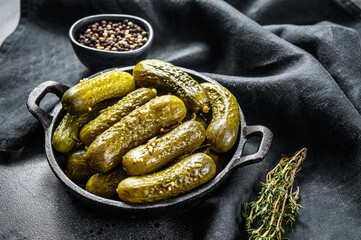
(292, 65)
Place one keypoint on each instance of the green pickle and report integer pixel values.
(180, 178)
(108, 149)
(66, 135)
(83, 96)
(222, 131)
(198, 118)
(157, 153)
(105, 184)
(163, 75)
(77, 168)
(219, 159)
(114, 113)
(138, 149)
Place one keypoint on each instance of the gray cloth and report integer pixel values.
(294, 67)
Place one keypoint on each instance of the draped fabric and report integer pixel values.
(294, 67)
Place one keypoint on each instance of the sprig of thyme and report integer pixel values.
(277, 202)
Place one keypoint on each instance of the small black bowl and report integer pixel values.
(96, 59)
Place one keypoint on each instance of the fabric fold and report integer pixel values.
(294, 66)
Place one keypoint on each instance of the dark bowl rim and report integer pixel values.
(137, 19)
(188, 197)
(51, 120)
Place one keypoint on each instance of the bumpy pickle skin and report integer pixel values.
(83, 96)
(77, 168)
(114, 113)
(145, 122)
(163, 75)
(198, 118)
(66, 135)
(105, 184)
(219, 159)
(175, 180)
(157, 153)
(222, 131)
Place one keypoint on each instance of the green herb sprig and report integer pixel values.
(277, 202)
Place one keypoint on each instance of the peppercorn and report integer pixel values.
(118, 36)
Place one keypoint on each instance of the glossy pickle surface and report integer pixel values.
(66, 135)
(111, 115)
(77, 168)
(175, 180)
(157, 153)
(107, 150)
(166, 76)
(79, 98)
(105, 184)
(222, 131)
(115, 141)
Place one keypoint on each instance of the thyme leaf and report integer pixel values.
(277, 201)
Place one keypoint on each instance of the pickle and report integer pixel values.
(198, 118)
(180, 178)
(65, 137)
(163, 75)
(155, 154)
(107, 150)
(83, 96)
(114, 113)
(220, 160)
(105, 184)
(77, 168)
(222, 131)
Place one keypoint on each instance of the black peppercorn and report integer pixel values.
(112, 37)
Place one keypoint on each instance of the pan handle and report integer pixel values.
(264, 146)
(38, 94)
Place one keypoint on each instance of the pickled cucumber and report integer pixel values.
(163, 75)
(105, 184)
(155, 154)
(77, 168)
(66, 135)
(83, 96)
(198, 118)
(114, 113)
(219, 159)
(107, 150)
(180, 178)
(222, 131)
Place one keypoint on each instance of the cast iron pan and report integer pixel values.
(178, 204)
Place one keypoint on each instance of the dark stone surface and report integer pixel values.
(303, 82)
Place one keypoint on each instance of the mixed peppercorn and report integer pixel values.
(119, 36)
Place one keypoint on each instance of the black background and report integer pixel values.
(293, 65)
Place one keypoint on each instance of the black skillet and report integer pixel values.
(178, 204)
